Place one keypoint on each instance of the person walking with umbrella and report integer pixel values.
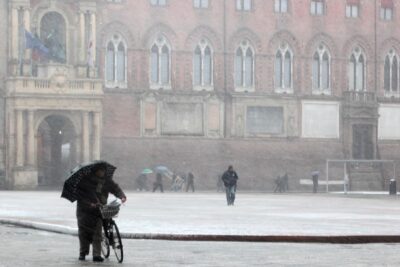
(158, 183)
(190, 182)
(141, 181)
(315, 176)
(90, 185)
(230, 178)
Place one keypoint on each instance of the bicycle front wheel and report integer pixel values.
(117, 244)
(105, 246)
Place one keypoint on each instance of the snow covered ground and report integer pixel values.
(207, 213)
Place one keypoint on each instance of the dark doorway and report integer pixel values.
(56, 150)
(363, 143)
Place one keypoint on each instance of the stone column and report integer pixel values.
(82, 37)
(78, 148)
(20, 139)
(85, 137)
(14, 35)
(96, 135)
(31, 139)
(93, 35)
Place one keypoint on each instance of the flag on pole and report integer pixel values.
(90, 61)
(38, 48)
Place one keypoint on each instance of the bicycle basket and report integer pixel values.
(109, 211)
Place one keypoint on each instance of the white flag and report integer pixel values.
(90, 61)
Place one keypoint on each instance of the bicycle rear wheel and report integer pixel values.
(105, 246)
(117, 243)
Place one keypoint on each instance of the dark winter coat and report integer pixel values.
(159, 178)
(190, 179)
(93, 190)
(230, 178)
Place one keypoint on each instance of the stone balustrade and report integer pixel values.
(58, 85)
(361, 97)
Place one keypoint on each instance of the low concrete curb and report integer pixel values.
(48, 227)
(349, 239)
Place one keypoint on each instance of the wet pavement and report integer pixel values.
(32, 248)
(207, 213)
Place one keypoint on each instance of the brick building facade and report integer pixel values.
(270, 86)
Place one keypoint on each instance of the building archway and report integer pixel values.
(56, 150)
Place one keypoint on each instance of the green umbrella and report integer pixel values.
(147, 171)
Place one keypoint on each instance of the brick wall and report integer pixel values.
(184, 25)
(257, 162)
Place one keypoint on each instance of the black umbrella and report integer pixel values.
(80, 172)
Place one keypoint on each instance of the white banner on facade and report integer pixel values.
(182, 119)
(389, 122)
(320, 119)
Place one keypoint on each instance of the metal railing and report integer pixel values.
(360, 97)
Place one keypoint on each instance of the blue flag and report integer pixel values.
(32, 42)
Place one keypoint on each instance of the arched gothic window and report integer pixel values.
(391, 72)
(160, 63)
(203, 65)
(54, 35)
(116, 58)
(283, 69)
(321, 70)
(356, 70)
(244, 66)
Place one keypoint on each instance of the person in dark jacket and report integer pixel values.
(230, 178)
(158, 183)
(315, 176)
(93, 192)
(141, 182)
(190, 182)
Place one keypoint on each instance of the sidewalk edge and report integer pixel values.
(348, 239)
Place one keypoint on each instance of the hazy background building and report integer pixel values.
(270, 86)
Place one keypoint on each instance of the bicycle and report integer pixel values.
(111, 237)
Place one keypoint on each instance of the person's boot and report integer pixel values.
(98, 259)
(82, 256)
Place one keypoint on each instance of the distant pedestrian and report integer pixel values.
(282, 183)
(158, 183)
(190, 182)
(230, 178)
(173, 184)
(285, 182)
(141, 182)
(315, 176)
(278, 184)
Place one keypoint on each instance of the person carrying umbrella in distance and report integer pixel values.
(160, 172)
(190, 182)
(141, 181)
(90, 185)
(158, 183)
(315, 176)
